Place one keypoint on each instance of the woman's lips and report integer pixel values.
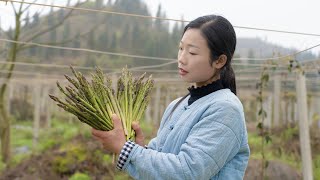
(182, 72)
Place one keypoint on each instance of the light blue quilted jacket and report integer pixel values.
(206, 140)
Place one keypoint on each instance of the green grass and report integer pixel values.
(62, 131)
(270, 152)
(21, 137)
(316, 167)
(2, 165)
(255, 142)
(79, 176)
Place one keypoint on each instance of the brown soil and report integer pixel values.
(44, 166)
(275, 171)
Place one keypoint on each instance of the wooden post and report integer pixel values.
(168, 97)
(282, 112)
(36, 113)
(266, 106)
(311, 110)
(156, 106)
(295, 112)
(304, 127)
(276, 101)
(46, 105)
(317, 110)
(147, 115)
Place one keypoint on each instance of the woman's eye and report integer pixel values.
(192, 53)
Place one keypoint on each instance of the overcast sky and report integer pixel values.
(288, 15)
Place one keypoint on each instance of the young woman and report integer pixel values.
(202, 135)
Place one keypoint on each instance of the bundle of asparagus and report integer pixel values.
(94, 103)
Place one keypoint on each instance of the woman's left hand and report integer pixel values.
(113, 140)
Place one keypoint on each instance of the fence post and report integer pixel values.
(46, 105)
(304, 126)
(36, 113)
(156, 109)
(276, 102)
(267, 105)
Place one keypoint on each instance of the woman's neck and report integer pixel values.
(209, 81)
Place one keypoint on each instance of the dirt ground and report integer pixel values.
(39, 167)
(44, 166)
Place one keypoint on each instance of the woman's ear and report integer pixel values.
(220, 62)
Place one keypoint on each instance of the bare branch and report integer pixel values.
(20, 8)
(14, 9)
(13, 53)
(65, 41)
(5, 54)
(28, 6)
(42, 8)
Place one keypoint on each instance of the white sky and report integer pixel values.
(288, 15)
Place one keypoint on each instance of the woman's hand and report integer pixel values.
(113, 140)
(139, 134)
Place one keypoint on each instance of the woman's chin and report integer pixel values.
(185, 79)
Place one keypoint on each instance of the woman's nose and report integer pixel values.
(181, 59)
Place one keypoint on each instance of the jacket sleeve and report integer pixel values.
(212, 142)
(152, 144)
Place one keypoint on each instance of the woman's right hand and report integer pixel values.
(139, 134)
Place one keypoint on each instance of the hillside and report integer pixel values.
(119, 34)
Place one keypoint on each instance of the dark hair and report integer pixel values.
(221, 39)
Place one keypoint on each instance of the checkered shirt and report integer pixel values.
(124, 154)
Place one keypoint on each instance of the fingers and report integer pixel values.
(135, 126)
(139, 134)
(104, 134)
(98, 133)
(116, 121)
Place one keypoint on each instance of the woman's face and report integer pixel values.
(194, 59)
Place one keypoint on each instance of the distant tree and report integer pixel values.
(126, 38)
(91, 40)
(176, 33)
(76, 44)
(90, 61)
(113, 45)
(236, 56)
(27, 20)
(109, 4)
(251, 53)
(53, 34)
(65, 35)
(158, 22)
(99, 4)
(35, 21)
(103, 43)
(183, 24)
(10, 32)
(61, 14)
(13, 50)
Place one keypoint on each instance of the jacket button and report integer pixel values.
(171, 127)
